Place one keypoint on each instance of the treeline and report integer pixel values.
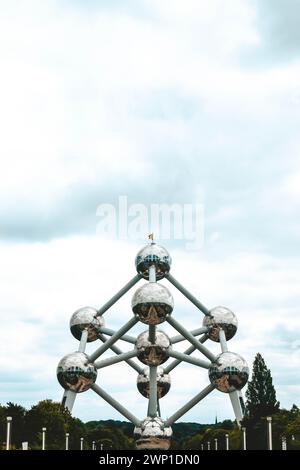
(27, 427)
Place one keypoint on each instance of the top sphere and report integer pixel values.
(153, 255)
(221, 318)
(85, 318)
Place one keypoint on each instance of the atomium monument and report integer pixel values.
(152, 305)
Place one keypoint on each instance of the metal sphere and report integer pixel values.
(76, 373)
(163, 382)
(221, 318)
(85, 318)
(153, 434)
(229, 372)
(152, 354)
(153, 255)
(152, 303)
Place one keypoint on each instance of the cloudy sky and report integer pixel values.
(160, 101)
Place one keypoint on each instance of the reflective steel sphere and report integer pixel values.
(229, 372)
(152, 354)
(153, 434)
(223, 318)
(153, 255)
(86, 318)
(152, 303)
(75, 373)
(163, 382)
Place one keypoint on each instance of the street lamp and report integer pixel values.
(227, 441)
(208, 445)
(8, 431)
(93, 445)
(44, 438)
(67, 440)
(81, 443)
(216, 444)
(244, 439)
(269, 421)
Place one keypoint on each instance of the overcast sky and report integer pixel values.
(190, 102)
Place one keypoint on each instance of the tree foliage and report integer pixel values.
(261, 394)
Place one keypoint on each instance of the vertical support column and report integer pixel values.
(44, 438)
(83, 341)
(152, 407)
(8, 431)
(270, 443)
(244, 438)
(236, 405)
(223, 341)
(81, 443)
(67, 440)
(226, 441)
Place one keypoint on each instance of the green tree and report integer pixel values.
(261, 394)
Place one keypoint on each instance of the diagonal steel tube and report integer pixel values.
(115, 404)
(188, 351)
(197, 332)
(116, 350)
(195, 342)
(113, 338)
(189, 405)
(115, 359)
(187, 358)
(109, 332)
(187, 294)
(119, 294)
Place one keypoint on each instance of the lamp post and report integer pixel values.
(244, 439)
(269, 421)
(81, 443)
(8, 431)
(93, 445)
(202, 447)
(208, 445)
(44, 438)
(67, 440)
(283, 443)
(216, 444)
(227, 441)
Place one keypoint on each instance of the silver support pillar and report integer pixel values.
(119, 294)
(83, 341)
(187, 294)
(188, 351)
(68, 400)
(236, 405)
(152, 274)
(226, 441)
(223, 342)
(194, 341)
(114, 360)
(44, 438)
(152, 407)
(152, 333)
(187, 358)
(270, 443)
(115, 404)
(8, 431)
(113, 338)
(244, 439)
(189, 405)
(116, 350)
